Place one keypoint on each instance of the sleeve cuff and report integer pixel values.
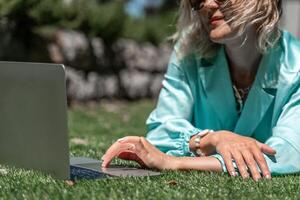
(186, 141)
(221, 160)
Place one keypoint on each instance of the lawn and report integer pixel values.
(94, 127)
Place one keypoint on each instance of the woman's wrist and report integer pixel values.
(195, 140)
(206, 144)
(197, 163)
(212, 139)
(172, 163)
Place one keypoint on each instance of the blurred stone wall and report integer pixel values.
(291, 17)
(94, 70)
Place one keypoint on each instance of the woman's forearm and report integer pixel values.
(140, 150)
(195, 163)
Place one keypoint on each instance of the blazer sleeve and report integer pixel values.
(285, 140)
(169, 124)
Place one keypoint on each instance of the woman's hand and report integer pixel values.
(246, 152)
(140, 150)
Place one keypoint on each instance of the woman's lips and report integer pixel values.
(216, 20)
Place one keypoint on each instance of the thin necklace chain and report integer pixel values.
(240, 95)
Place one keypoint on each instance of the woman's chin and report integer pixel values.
(219, 34)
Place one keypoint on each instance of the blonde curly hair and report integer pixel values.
(193, 32)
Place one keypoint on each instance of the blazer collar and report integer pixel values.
(215, 78)
(262, 93)
(217, 85)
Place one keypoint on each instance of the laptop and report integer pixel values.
(33, 124)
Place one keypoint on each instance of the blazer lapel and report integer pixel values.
(261, 95)
(217, 85)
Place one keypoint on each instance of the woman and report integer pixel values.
(230, 99)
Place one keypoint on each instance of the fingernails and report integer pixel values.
(121, 139)
(233, 173)
(246, 175)
(268, 176)
(256, 179)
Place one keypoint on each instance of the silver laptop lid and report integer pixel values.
(33, 117)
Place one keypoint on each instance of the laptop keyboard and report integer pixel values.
(83, 173)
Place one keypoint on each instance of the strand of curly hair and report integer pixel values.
(193, 31)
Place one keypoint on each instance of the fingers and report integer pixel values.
(247, 161)
(115, 150)
(241, 165)
(128, 148)
(129, 139)
(142, 152)
(247, 153)
(142, 146)
(228, 162)
(261, 161)
(266, 149)
(251, 164)
(251, 158)
(128, 155)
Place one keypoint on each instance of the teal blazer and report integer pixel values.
(197, 94)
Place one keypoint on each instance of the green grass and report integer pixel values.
(99, 126)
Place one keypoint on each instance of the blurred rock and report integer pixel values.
(82, 87)
(164, 51)
(108, 86)
(126, 69)
(55, 53)
(98, 49)
(126, 50)
(74, 48)
(79, 87)
(156, 85)
(145, 57)
(135, 83)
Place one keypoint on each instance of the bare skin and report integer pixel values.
(140, 150)
(247, 152)
(243, 61)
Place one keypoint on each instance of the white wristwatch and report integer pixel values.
(197, 140)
